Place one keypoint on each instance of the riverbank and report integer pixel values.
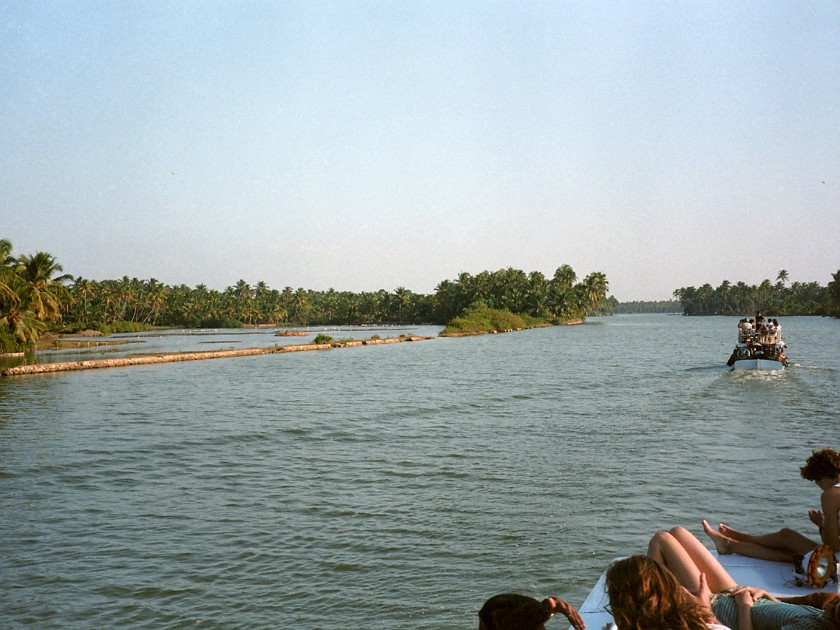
(71, 366)
(471, 333)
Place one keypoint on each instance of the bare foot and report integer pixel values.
(721, 541)
(732, 534)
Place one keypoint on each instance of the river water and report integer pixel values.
(392, 486)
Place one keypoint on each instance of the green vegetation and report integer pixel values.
(31, 296)
(553, 300)
(664, 306)
(480, 318)
(154, 304)
(34, 298)
(772, 299)
(322, 338)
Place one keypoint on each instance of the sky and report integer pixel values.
(366, 145)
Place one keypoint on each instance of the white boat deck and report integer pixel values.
(774, 577)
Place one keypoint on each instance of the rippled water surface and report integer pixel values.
(393, 486)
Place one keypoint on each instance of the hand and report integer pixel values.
(557, 605)
(754, 592)
(744, 598)
(703, 596)
(816, 517)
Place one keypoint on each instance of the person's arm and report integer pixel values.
(830, 501)
(816, 600)
(556, 605)
(744, 602)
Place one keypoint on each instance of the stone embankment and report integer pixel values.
(43, 368)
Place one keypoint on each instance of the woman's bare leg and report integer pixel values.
(717, 576)
(665, 549)
(779, 546)
(786, 539)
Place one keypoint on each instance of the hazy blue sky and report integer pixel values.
(367, 145)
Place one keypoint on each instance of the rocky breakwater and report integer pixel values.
(71, 366)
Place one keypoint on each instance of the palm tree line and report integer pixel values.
(152, 303)
(35, 296)
(772, 298)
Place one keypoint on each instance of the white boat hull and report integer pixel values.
(758, 364)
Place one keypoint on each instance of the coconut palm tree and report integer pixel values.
(401, 301)
(6, 272)
(29, 294)
(41, 293)
(85, 290)
(595, 285)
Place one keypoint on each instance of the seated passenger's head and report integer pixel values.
(510, 611)
(824, 464)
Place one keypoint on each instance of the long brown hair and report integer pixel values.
(644, 595)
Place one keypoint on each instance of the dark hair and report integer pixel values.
(824, 464)
(510, 611)
(644, 595)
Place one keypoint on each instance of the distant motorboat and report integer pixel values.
(758, 350)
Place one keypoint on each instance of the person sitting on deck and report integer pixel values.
(738, 607)
(762, 334)
(751, 330)
(771, 332)
(743, 330)
(823, 468)
(510, 611)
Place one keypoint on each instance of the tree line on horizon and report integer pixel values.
(777, 299)
(34, 298)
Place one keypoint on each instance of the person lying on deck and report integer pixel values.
(738, 607)
(510, 611)
(823, 468)
(644, 595)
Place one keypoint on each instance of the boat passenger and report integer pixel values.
(764, 334)
(739, 607)
(771, 333)
(510, 611)
(644, 595)
(743, 330)
(823, 468)
(778, 328)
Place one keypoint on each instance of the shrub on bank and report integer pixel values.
(221, 322)
(70, 328)
(8, 341)
(480, 318)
